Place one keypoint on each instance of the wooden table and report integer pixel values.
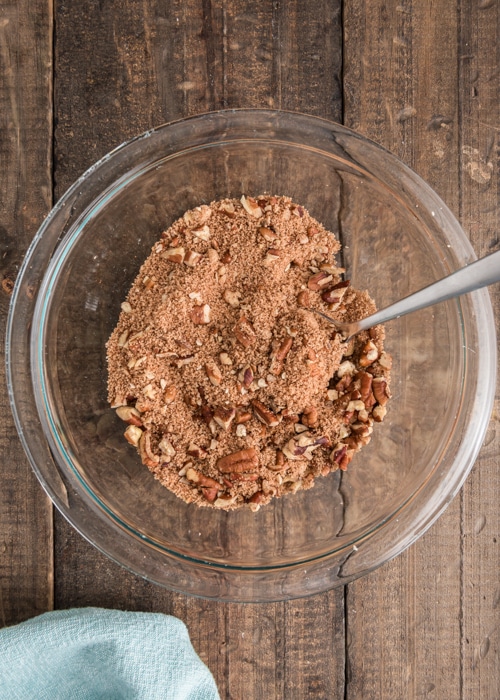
(422, 78)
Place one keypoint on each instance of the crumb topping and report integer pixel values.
(233, 391)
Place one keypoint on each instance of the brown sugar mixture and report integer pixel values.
(233, 390)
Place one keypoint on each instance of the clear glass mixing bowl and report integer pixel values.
(397, 235)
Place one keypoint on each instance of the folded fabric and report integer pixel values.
(97, 654)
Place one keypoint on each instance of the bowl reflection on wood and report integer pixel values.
(397, 237)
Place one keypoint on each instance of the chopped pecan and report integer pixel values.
(251, 206)
(304, 445)
(257, 497)
(246, 376)
(224, 416)
(268, 234)
(213, 373)
(207, 413)
(200, 315)
(133, 435)
(272, 255)
(196, 451)
(319, 281)
(310, 417)
(369, 354)
(232, 298)
(385, 360)
(175, 255)
(346, 367)
(378, 413)
(312, 362)
(192, 258)
(265, 415)
(246, 460)
(129, 415)
(335, 294)
(341, 456)
(289, 417)
(244, 332)
(149, 458)
(242, 416)
(202, 232)
(277, 357)
(381, 390)
(365, 385)
(169, 394)
(303, 299)
(167, 449)
(201, 479)
(210, 493)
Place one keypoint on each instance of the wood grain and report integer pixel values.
(431, 616)
(480, 214)
(154, 62)
(26, 196)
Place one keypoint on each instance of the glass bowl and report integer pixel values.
(397, 237)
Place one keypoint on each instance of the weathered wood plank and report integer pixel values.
(402, 69)
(25, 197)
(480, 213)
(154, 62)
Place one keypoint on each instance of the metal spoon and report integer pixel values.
(478, 274)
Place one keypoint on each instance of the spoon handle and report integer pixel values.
(478, 274)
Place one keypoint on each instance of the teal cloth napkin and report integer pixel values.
(97, 654)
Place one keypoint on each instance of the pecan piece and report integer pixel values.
(279, 356)
(265, 415)
(200, 315)
(169, 394)
(149, 458)
(257, 497)
(242, 416)
(192, 258)
(272, 255)
(280, 462)
(289, 417)
(224, 416)
(232, 298)
(202, 232)
(201, 479)
(133, 435)
(129, 415)
(335, 294)
(175, 255)
(341, 456)
(319, 281)
(312, 362)
(244, 332)
(378, 413)
(268, 234)
(213, 373)
(310, 417)
(167, 450)
(196, 451)
(251, 206)
(381, 390)
(304, 445)
(365, 385)
(246, 460)
(369, 354)
(303, 299)
(246, 376)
